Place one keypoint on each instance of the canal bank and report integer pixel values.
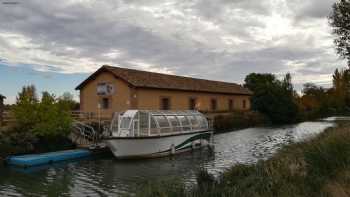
(319, 166)
(106, 176)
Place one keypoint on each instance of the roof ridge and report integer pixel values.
(146, 79)
(172, 75)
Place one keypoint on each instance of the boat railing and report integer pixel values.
(86, 131)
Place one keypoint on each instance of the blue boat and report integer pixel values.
(47, 158)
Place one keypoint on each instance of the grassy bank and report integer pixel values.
(319, 167)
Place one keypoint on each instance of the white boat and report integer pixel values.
(145, 133)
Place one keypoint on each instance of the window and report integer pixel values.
(213, 104)
(185, 122)
(202, 121)
(244, 104)
(174, 123)
(192, 104)
(165, 103)
(194, 122)
(162, 121)
(105, 103)
(230, 105)
(125, 123)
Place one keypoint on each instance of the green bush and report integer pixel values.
(14, 142)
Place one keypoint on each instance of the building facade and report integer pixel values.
(114, 89)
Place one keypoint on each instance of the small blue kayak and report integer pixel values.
(47, 158)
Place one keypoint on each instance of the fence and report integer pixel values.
(8, 117)
(81, 116)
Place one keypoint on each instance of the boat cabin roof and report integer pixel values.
(160, 122)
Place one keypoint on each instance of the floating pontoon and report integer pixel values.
(146, 133)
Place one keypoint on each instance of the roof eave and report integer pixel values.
(92, 76)
(248, 93)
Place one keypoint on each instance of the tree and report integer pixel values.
(45, 119)
(25, 108)
(317, 101)
(341, 87)
(67, 100)
(273, 97)
(67, 96)
(53, 119)
(28, 94)
(339, 19)
(314, 101)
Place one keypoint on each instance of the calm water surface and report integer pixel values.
(106, 176)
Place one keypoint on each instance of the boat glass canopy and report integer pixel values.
(134, 123)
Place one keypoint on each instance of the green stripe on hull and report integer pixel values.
(205, 136)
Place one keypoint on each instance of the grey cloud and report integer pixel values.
(311, 8)
(185, 37)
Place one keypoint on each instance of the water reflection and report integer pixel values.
(107, 176)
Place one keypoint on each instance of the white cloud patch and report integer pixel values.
(221, 40)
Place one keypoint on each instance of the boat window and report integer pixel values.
(173, 120)
(162, 121)
(202, 121)
(154, 128)
(184, 121)
(153, 123)
(125, 123)
(174, 123)
(194, 122)
(143, 120)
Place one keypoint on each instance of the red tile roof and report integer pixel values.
(144, 79)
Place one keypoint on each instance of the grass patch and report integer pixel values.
(319, 167)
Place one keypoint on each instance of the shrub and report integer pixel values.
(15, 142)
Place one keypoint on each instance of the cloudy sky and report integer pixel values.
(55, 46)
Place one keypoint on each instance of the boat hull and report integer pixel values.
(157, 146)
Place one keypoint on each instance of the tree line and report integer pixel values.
(278, 100)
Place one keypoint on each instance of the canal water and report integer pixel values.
(106, 176)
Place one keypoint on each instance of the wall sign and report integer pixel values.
(105, 89)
